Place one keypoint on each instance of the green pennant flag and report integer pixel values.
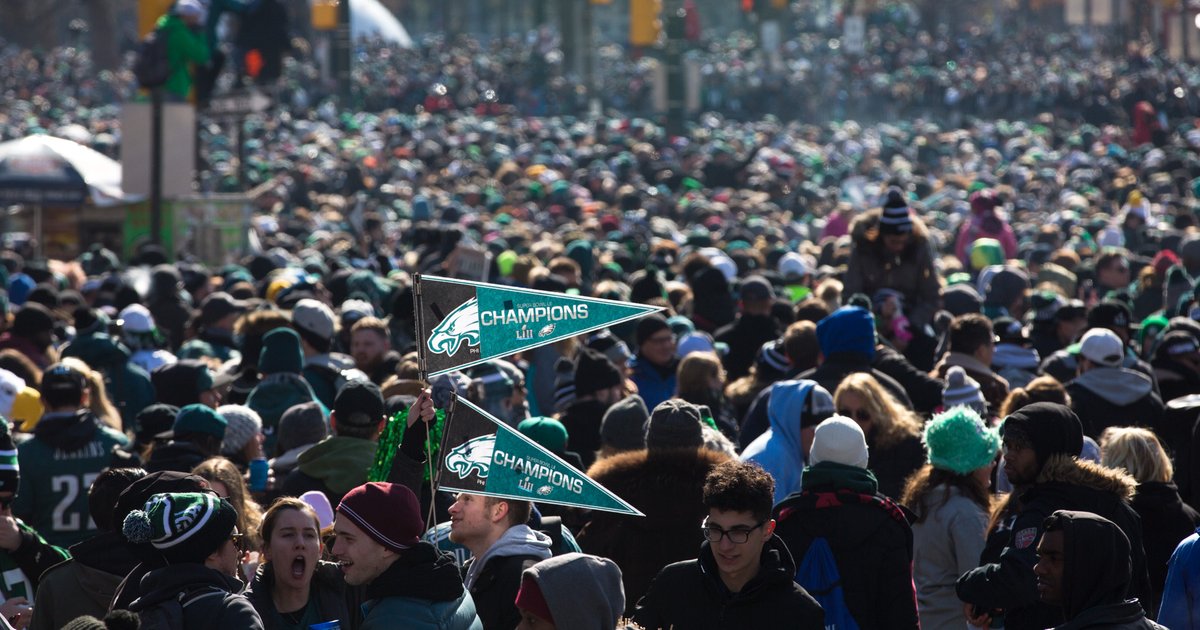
(484, 456)
(462, 323)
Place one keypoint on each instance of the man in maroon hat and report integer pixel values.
(378, 526)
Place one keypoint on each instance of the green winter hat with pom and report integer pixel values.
(958, 440)
(183, 527)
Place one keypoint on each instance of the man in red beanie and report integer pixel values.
(378, 526)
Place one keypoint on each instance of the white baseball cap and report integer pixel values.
(793, 265)
(136, 318)
(1103, 347)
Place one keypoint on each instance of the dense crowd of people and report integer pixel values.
(924, 373)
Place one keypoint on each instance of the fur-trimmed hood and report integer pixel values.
(1077, 472)
(864, 231)
(663, 484)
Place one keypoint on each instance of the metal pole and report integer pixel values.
(238, 127)
(589, 51)
(343, 51)
(156, 166)
(676, 34)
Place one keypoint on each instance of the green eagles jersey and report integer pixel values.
(19, 571)
(53, 494)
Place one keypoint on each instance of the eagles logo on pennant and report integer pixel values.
(1025, 537)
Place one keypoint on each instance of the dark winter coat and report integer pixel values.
(690, 595)
(176, 455)
(1096, 577)
(422, 587)
(1064, 483)
(912, 273)
(1166, 520)
(1175, 380)
(1104, 397)
(869, 536)
(496, 588)
(924, 390)
(668, 487)
(744, 337)
(335, 600)
(84, 584)
(894, 463)
(223, 608)
(837, 367)
(582, 419)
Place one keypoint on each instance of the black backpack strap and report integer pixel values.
(552, 527)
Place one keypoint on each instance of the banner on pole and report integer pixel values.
(462, 323)
(481, 455)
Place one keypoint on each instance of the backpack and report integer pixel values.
(152, 68)
(169, 614)
(819, 575)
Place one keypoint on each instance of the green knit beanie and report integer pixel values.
(958, 440)
(183, 527)
(281, 353)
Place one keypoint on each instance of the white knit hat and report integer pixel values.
(961, 389)
(839, 440)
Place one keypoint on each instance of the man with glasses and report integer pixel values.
(195, 534)
(744, 575)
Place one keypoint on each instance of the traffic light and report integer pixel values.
(644, 22)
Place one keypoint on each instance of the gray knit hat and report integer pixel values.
(674, 423)
(300, 425)
(624, 425)
(244, 424)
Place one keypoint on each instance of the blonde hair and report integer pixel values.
(892, 421)
(1138, 452)
(249, 513)
(98, 401)
(694, 373)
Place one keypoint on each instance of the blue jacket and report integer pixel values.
(420, 614)
(1180, 609)
(652, 385)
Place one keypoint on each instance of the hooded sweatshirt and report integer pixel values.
(779, 451)
(494, 578)
(579, 591)
(518, 540)
(1016, 364)
(219, 607)
(1096, 575)
(337, 464)
(1108, 396)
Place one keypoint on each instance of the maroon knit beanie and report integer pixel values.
(530, 598)
(389, 513)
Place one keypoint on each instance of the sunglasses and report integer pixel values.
(862, 415)
(237, 539)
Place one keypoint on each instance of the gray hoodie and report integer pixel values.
(518, 540)
(1119, 386)
(583, 592)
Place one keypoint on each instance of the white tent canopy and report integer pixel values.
(369, 18)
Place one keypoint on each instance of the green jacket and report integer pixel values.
(185, 48)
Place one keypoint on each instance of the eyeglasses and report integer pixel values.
(862, 415)
(237, 539)
(737, 535)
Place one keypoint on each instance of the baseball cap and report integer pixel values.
(1102, 346)
(314, 317)
(756, 288)
(62, 384)
(218, 306)
(359, 403)
(136, 318)
(1110, 314)
(793, 267)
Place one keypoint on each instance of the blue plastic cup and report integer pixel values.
(258, 475)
